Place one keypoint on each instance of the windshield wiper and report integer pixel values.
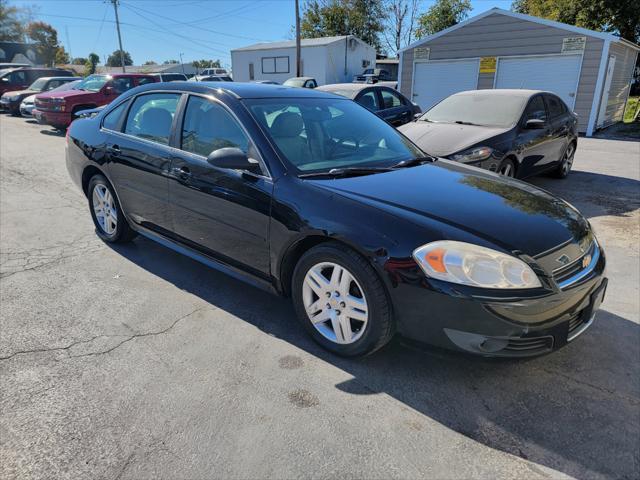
(412, 162)
(345, 172)
(460, 122)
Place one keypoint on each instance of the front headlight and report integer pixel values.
(468, 264)
(15, 98)
(473, 155)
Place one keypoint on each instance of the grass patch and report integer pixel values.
(631, 109)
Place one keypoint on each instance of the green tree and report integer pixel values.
(202, 64)
(442, 14)
(13, 21)
(617, 16)
(62, 57)
(363, 18)
(91, 63)
(170, 62)
(149, 62)
(45, 38)
(78, 61)
(113, 60)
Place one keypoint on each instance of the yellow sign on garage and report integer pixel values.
(487, 64)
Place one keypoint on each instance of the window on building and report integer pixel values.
(275, 64)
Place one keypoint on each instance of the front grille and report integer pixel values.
(529, 346)
(575, 321)
(575, 267)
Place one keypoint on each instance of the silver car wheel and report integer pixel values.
(105, 209)
(567, 161)
(335, 303)
(506, 170)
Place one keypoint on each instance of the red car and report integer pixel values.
(58, 108)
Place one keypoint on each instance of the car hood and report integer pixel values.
(20, 92)
(507, 213)
(443, 139)
(65, 94)
(29, 99)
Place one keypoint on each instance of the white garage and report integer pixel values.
(591, 71)
(439, 79)
(556, 73)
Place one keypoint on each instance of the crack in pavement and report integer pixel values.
(103, 352)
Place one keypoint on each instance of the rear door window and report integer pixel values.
(113, 118)
(369, 100)
(554, 104)
(536, 109)
(18, 78)
(390, 99)
(151, 116)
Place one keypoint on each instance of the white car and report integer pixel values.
(214, 71)
(28, 104)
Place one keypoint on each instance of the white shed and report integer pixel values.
(591, 71)
(327, 59)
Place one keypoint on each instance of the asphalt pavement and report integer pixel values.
(134, 362)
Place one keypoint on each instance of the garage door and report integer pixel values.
(433, 81)
(558, 74)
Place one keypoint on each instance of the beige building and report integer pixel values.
(591, 71)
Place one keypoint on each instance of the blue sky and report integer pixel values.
(162, 29)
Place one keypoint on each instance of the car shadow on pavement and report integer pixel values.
(592, 192)
(54, 133)
(575, 410)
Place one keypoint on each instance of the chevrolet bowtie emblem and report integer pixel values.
(586, 260)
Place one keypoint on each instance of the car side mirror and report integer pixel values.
(534, 124)
(232, 158)
(109, 90)
(4, 79)
(416, 116)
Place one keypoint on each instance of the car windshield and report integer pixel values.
(93, 83)
(478, 109)
(38, 85)
(295, 82)
(317, 134)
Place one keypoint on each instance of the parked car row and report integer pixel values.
(307, 193)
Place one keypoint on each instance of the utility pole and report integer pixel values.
(182, 63)
(298, 59)
(115, 8)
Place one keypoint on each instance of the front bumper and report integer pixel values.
(449, 316)
(55, 119)
(26, 109)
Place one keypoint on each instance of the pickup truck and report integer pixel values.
(373, 75)
(59, 108)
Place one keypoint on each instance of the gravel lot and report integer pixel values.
(136, 362)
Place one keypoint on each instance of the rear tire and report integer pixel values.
(566, 162)
(341, 292)
(111, 224)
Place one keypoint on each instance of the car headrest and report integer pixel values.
(287, 124)
(156, 121)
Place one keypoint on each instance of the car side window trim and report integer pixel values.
(122, 116)
(180, 117)
(525, 112)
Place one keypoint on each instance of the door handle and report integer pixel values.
(182, 172)
(114, 150)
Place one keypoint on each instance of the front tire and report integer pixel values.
(507, 168)
(341, 301)
(111, 224)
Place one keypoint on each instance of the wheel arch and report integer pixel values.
(301, 246)
(88, 172)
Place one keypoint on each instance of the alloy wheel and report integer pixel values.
(105, 209)
(506, 169)
(567, 161)
(335, 303)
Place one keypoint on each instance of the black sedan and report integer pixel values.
(517, 133)
(314, 197)
(387, 103)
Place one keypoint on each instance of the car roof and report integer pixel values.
(355, 87)
(301, 78)
(512, 92)
(61, 78)
(238, 89)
